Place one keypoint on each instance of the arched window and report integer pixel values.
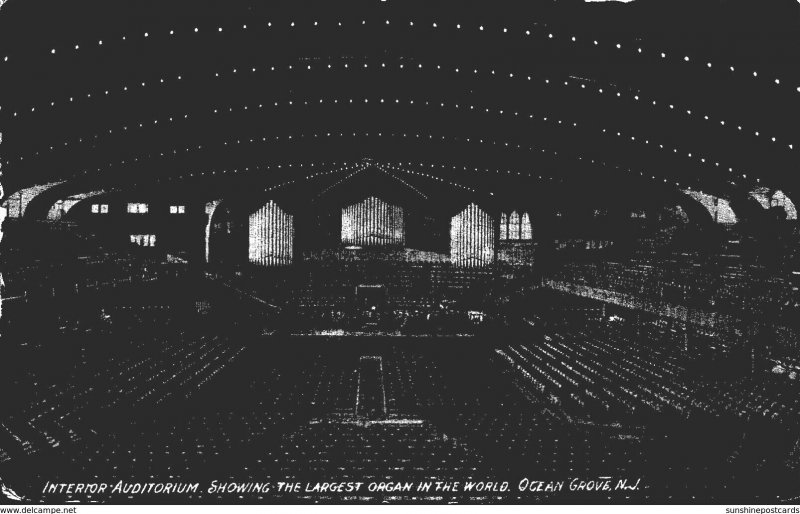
(526, 231)
(137, 208)
(513, 225)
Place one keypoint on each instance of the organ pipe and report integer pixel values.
(271, 236)
(373, 222)
(471, 238)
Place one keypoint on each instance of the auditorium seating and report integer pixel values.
(62, 259)
(630, 370)
(587, 390)
(41, 241)
(731, 289)
(401, 277)
(581, 400)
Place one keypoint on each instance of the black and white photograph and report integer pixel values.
(410, 252)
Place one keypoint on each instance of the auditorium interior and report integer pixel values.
(392, 241)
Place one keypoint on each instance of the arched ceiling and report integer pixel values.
(556, 95)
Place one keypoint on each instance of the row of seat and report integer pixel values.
(737, 288)
(607, 371)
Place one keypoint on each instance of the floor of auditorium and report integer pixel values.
(219, 409)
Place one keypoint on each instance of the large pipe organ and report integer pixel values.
(271, 236)
(373, 222)
(472, 238)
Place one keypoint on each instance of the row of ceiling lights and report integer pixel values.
(429, 176)
(429, 137)
(340, 181)
(500, 112)
(248, 169)
(550, 34)
(395, 177)
(601, 90)
(356, 168)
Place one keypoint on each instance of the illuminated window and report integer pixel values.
(95, 208)
(137, 208)
(177, 209)
(513, 225)
(526, 230)
(99, 208)
(143, 239)
(104, 208)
